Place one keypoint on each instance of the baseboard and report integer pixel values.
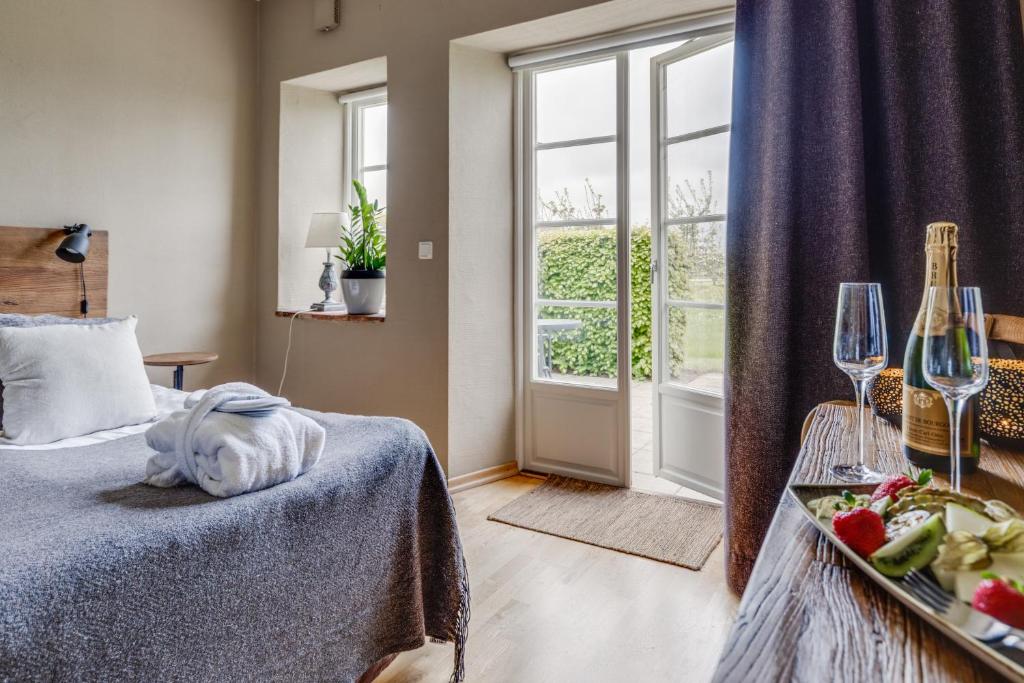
(481, 477)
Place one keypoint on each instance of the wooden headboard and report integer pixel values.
(34, 281)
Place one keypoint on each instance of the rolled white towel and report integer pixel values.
(232, 439)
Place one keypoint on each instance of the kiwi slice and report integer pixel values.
(904, 522)
(914, 549)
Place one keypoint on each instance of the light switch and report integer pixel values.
(426, 250)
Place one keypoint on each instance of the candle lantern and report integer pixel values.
(885, 395)
(1001, 420)
(1001, 403)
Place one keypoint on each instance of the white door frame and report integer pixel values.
(665, 392)
(531, 390)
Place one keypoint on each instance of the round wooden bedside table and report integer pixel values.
(178, 361)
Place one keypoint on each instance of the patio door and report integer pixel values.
(690, 93)
(574, 273)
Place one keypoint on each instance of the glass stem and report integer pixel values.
(956, 410)
(859, 386)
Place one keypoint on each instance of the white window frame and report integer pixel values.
(525, 65)
(570, 408)
(353, 167)
(532, 221)
(661, 301)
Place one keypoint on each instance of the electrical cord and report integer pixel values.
(84, 306)
(288, 349)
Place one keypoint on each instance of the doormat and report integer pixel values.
(659, 527)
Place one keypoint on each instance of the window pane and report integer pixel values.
(699, 91)
(696, 347)
(576, 345)
(577, 264)
(576, 182)
(376, 183)
(698, 173)
(374, 130)
(576, 102)
(696, 262)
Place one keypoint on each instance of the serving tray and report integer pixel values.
(997, 659)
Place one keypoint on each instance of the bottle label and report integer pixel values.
(926, 422)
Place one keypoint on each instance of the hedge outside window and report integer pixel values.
(578, 263)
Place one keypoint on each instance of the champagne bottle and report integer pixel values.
(925, 417)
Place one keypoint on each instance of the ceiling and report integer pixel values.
(589, 22)
(349, 77)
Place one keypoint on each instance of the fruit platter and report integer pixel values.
(955, 560)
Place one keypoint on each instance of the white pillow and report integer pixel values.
(68, 380)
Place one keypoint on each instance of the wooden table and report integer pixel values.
(807, 615)
(178, 361)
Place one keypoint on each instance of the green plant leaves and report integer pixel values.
(579, 264)
(363, 243)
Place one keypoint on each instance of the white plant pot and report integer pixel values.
(363, 291)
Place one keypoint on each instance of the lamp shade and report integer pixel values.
(324, 230)
(75, 247)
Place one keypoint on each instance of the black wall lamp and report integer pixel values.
(75, 246)
(73, 249)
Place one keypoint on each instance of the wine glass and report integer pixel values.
(955, 357)
(860, 350)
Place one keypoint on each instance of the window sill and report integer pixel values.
(333, 316)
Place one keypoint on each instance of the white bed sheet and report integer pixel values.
(167, 401)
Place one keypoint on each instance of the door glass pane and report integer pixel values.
(696, 347)
(577, 263)
(374, 131)
(640, 130)
(376, 183)
(576, 182)
(698, 173)
(576, 344)
(699, 91)
(696, 262)
(576, 102)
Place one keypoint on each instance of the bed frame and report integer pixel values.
(34, 281)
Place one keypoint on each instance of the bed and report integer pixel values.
(325, 577)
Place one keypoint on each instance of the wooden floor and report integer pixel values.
(546, 609)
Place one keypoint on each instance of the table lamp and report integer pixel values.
(325, 233)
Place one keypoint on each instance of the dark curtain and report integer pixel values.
(854, 125)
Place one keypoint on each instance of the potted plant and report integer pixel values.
(364, 252)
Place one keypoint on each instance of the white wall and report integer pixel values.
(481, 345)
(138, 117)
(310, 176)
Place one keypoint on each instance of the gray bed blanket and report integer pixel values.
(105, 579)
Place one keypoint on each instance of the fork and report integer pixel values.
(976, 624)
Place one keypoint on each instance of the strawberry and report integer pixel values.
(860, 528)
(1000, 598)
(893, 485)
